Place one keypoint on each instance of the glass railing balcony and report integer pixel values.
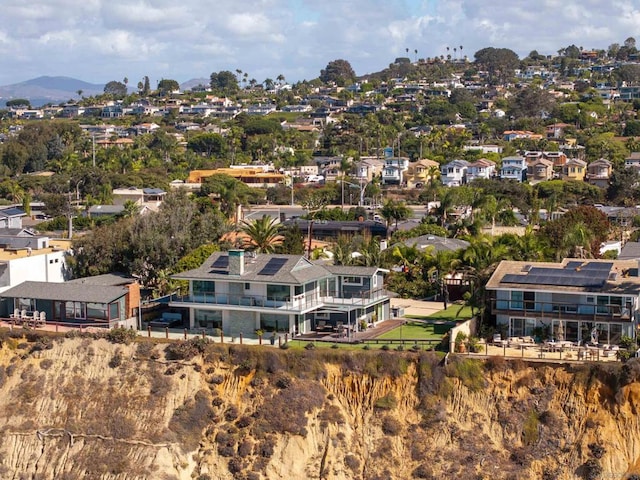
(559, 310)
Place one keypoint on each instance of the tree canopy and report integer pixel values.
(115, 88)
(339, 72)
(500, 63)
(224, 82)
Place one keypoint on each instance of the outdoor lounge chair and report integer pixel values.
(41, 321)
(15, 315)
(321, 326)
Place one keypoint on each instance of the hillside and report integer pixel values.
(46, 89)
(84, 408)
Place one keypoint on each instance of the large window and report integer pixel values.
(208, 319)
(97, 311)
(203, 286)
(271, 322)
(75, 310)
(279, 292)
(521, 327)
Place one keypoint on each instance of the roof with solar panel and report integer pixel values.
(267, 268)
(581, 275)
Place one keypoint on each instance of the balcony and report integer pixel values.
(562, 311)
(296, 304)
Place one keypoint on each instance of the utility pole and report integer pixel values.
(93, 143)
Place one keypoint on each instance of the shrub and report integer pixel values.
(189, 420)
(384, 347)
(145, 349)
(231, 414)
(390, 426)
(352, 462)
(591, 469)
(423, 471)
(186, 349)
(45, 364)
(309, 346)
(236, 465)
(468, 371)
(597, 450)
(300, 398)
(116, 360)
(245, 448)
(388, 402)
(121, 335)
(283, 381)
(530, 429)
(285, 346)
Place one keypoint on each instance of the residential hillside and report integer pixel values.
(211, 411)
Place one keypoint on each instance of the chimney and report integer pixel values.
(236, 262)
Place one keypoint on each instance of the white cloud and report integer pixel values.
(97, 40)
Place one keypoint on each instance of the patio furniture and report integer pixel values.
(15, 316)
(41, 321)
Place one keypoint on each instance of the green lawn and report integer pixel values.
(412, 330)
(300, 344)
(452, 313)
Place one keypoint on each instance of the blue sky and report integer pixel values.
(102, 40)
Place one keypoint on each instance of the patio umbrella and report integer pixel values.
(560, 332)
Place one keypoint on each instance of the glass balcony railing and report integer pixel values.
(299, 302)
(559, 310)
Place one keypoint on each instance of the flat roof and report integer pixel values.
(54, 246)
(570, 275)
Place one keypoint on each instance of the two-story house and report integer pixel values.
(633, 161)
(422, 173)
(241, 292)
(574, 169)
(481, 168)
(514, 168)
(394, 170)
(539, 170)
(575, 300)
(454, 173)
(599, 172)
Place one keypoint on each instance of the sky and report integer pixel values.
(102, 40)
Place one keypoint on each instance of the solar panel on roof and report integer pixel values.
(273, 266)
(573, 265)
(221, 262)
(598, 266)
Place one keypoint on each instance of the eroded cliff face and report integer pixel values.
(90, 409)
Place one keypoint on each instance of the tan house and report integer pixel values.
(574, 169)
(599, 172)
(539, 170)
(422, 172)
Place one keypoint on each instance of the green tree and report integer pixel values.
(116, 89)
(338, 71)
(500, 63)
(18, 102)
(230, 192)
(262, 234)
(224, 82)
(167, 86)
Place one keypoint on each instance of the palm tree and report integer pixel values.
(392, 210)
(131, 209)
(345, 166)
(263, 234)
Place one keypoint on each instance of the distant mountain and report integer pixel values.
(194, 82)
(42, 90)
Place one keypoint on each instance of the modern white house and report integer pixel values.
(454, 173)
(241, 292)
(25, 256)
(481, 168)
(576, 300)
(394, 169)
(514, 168)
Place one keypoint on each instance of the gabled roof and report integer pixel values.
(601, 161)
(68, 291)
(296, 270)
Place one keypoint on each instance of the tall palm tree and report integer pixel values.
(345, 167)
(262, 234)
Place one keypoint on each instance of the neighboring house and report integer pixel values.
(253, 177)
(483, 148)
(332, 229)
(27, 256)
(241, 293)
(559, 159)
(481, 168)
(149, 197)
(539, 170)
(574, 300)
(104, 210)
(633, 161)
(510, 135)
(514, 168)
(103, 301)
(599, 172)
(422, 173)
(436, 243)
(394, 169)
(574, 169)
(368, 168)
(11, 217)
(329, 167)
(454, 173)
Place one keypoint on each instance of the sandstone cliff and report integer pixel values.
(85, 408)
